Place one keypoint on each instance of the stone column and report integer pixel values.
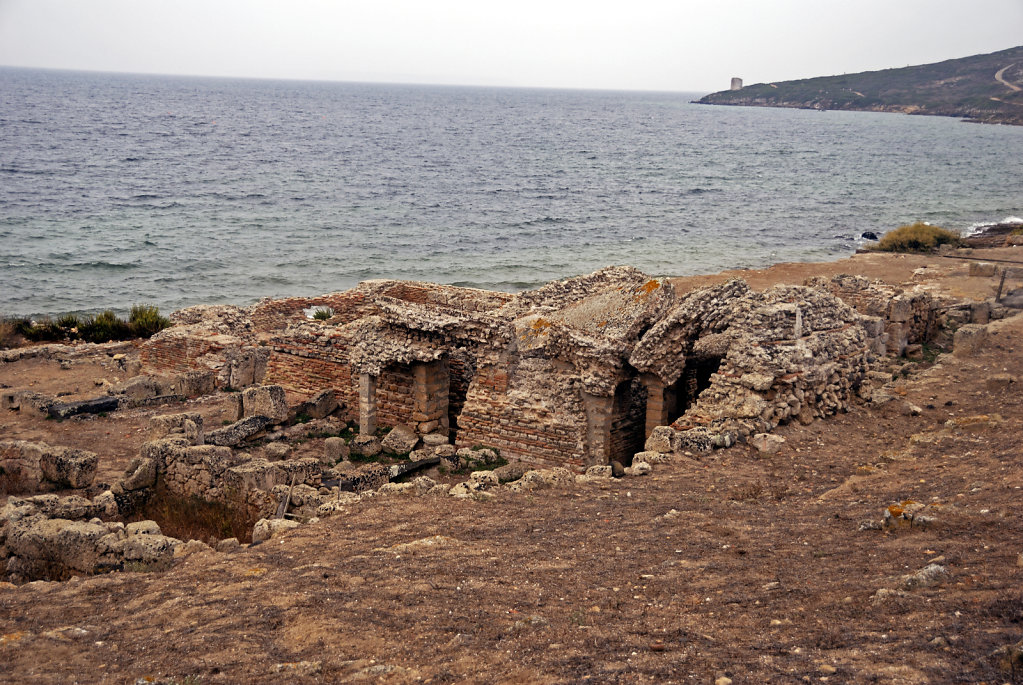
(598, 428)
(658, 403)
(430, 390)
(367, 404)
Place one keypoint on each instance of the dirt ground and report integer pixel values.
(751, 567)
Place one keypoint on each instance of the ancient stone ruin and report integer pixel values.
(575, 373)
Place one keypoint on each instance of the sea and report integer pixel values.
(120, 189)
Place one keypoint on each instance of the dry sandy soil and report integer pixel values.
(739, 565)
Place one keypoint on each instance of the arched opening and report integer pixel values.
(628, 420)
(695, 379)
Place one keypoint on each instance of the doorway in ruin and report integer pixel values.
(628, 421)
(461, 369)
(695, 379)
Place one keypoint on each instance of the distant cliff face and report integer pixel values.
(986, 88)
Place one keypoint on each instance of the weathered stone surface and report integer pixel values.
(265, 529)
(265, 400)
(189, 425)
(276, 451)
(98, 405)
(931, 574)
(141, 473)
(1001, 382)
(69, 467)
(968, 340)
(982, 269)
(335, 450)
(511, 471)
(693, 440)
(366, 445)
(766, 443)
(435, 439)
(660, 439)
(237, 432)
(402, 439)
(599, 471)
(143, 528)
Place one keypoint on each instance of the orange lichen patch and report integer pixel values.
(255, 572)
(646, 289)
(602, 324)
(537, 328)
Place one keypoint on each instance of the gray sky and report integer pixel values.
(642, 44)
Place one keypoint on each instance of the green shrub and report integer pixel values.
(104, 327)
(918, 237)
(145, 320)
(323, 313)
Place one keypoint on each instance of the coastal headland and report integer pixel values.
(803, 472)
(982, 88)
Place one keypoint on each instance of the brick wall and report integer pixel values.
(521, 431)
(177, 353)
(395, 401)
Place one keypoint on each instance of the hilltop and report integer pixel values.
(984, 88)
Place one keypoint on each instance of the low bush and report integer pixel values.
(323, 313)
(104, 327)
(918, 237)
(145, 320)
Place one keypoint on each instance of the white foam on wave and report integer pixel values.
(974, 229)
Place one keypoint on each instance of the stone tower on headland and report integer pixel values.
(736, 83)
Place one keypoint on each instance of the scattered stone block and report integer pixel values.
(660, 439)
(435, 439)
(401, 439)
(510, 472)
(69, 467)
(982, 269)
(932, 574)
(968, 340)
(237, 432)
(266, 400)
(193, 384)
(97, 405)
(141, 473)
(1001, 382)
(366, 445)
(694, 440)
(277, 451)
(335, 450)
(266, 529)
(765, 443)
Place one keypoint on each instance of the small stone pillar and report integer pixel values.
(430, 390)
(598, 428)
(659, 403)
(367, 404)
